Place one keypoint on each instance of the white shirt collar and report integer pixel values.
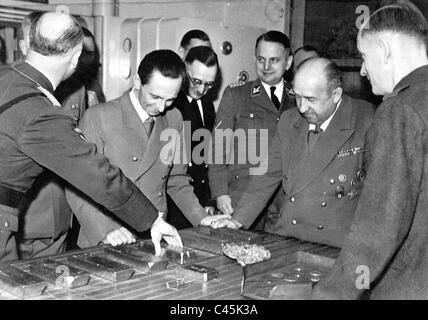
(325, 124)
(278, 91)
(137, 105)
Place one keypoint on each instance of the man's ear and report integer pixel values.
(75, 54)
(137, 82)
(385, 49)
(181, 52)
(289, 62)
(23, 47)
(337, 94)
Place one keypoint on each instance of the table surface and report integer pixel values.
(143, 286)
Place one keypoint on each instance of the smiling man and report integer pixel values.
(256, 105)
(127, 131)
(317, 154)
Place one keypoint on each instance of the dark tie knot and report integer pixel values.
(272, 89)
(274, 98)
(317, 128)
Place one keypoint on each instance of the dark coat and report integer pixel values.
(119, 134)
(389, 235)
(246, 106)
(34, 135)
(312, 209)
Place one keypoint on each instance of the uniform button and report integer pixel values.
(203, 181)
(73, 106)
(190, 164)
(294, 221)
(134, 158)
(6, 224)
(320, 227)
(285, 177)
(206, 166)
(277, 119)
(292, 199)
(236, 177)
(75, 118)
(163, 177)
(160, 194)
(191, 180)
(323, 204)
(332, 181)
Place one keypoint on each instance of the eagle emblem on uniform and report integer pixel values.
(256, 90)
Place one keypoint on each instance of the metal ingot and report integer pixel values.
(20, 283)
(102, 266)
(134, 257)
(174, 254)
(60, 273)
(198, 272)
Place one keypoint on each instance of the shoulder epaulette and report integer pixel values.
(236, 84)
(288, 88)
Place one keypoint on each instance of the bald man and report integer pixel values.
(387, 249)
(37, 135)
(317, 154)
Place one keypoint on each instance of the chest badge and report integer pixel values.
(256, 90)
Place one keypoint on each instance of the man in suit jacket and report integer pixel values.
(198, 113)
(256, 105)
(386, 251)
(320, 178)
(132, 132)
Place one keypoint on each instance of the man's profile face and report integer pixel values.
(272, 60)
(372, 65)
(159, 93)
(315, 101)
(200, 79)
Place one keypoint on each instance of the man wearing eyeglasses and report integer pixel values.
(253, 105)
(198, 110)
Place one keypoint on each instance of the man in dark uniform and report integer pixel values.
(198, 113)
(36, 134)
(320, 171)
(254, 105)
(193, 38)
(386, 251)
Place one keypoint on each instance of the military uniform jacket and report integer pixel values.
(389, 235)
(151, 163)
(48, 214)
(313, 208)
(243, 107)
(197, 171)
(35, 134)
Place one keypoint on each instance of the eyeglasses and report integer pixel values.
(199, 83)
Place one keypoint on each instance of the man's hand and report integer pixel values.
(224, 204)
(210, 220)
(161, 228)
(118, 237)
(227, 222)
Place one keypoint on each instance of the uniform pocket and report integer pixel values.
(8, 225)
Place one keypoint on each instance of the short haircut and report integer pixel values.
(203, 54)
(308, 48)
(275, 36)
(193, 34)
(69, 38)
(402, 17)
(332, 72)
(167, 62)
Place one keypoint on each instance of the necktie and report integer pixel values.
(148, 125)
(313, 137)
(274, 98)
(195, 105)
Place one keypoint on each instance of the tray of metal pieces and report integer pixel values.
(20, 283)
(61, 274)
(291, 277)
(211, 240)
(101, 265)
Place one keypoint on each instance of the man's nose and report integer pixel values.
(363, 71)
(161, 106)
(303, 105)
(266, 65)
